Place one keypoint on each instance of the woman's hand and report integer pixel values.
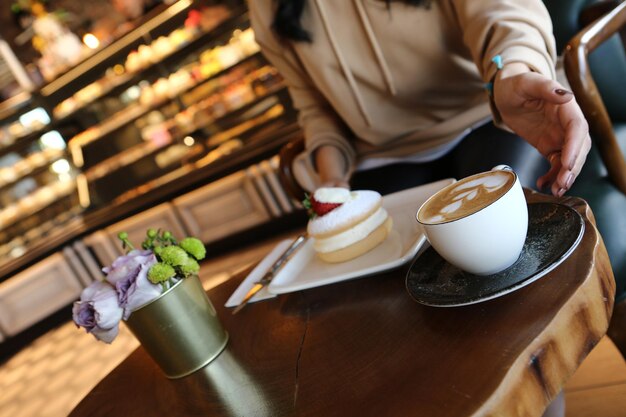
(547, 116)
(331, 167)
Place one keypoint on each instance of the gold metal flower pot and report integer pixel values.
(179, 329)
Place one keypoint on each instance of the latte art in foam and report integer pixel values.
(466, 196)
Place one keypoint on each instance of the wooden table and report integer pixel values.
(365, 348)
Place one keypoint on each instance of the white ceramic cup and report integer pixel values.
(486, 241)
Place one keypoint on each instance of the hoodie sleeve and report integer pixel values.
(517, 30)
(319, 121)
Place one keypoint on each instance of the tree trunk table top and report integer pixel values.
(364, 347)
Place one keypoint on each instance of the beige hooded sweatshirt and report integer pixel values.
(397, 80)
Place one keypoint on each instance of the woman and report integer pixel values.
(385, 82)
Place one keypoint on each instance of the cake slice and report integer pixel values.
(346, 224)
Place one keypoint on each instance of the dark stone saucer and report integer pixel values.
(554, 231)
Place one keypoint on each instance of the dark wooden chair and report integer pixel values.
(591, 35)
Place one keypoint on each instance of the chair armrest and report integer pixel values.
(286, 175)
(575, 60)
(594, 11)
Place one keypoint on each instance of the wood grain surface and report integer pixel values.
(365, 348)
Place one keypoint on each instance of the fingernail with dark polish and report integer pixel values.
(562, 92)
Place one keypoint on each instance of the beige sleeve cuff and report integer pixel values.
(537, 61)
(315, 141)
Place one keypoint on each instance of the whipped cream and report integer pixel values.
(351, 235)
(360, 203)
(336, 195)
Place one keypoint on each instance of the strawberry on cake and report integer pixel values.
(345, 224)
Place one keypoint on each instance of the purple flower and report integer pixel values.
(98, 311)
(129, 275)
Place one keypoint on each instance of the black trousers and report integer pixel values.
(479, 151)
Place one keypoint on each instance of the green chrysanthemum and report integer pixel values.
(194, 247)
(190, 267)
(174, 256)
(160, 272)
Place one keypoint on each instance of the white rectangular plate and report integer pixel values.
(306, 270)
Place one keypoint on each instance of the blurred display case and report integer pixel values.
(37, 179)
(182, 101)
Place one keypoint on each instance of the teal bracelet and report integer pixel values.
(498, 61)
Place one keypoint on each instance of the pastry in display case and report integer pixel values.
(202, 96)
(198, 71)
(23, 126)
(37, 185)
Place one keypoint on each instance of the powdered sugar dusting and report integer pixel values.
(352, 234)
(360, 202)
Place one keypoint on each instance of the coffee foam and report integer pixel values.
(466, 196)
